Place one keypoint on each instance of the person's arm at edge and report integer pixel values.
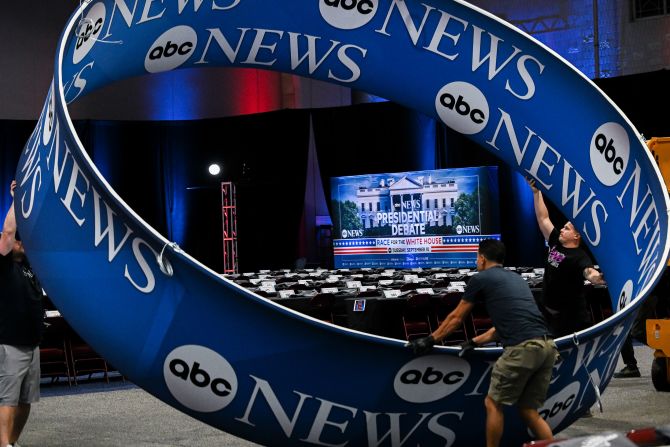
(541, 211)
(487, 337)
(9, 227)
(594, 276)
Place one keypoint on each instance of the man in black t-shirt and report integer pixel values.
(20, 332)
(563, 300)
(521, 375)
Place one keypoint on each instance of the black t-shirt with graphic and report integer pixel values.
(510, 304)
(21, 312)
(563, 288)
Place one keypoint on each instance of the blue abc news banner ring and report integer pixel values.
(239, 362)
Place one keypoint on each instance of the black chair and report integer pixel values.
(85, 361)
(416, 316)
(440, 283)
(410, 286)
(54, 361)
(444, 304)
(368, 293)
(481, 321)
(321, 306)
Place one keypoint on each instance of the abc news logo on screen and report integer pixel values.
(467, 229)
(351, 233)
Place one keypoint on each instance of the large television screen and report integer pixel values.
(432, 218)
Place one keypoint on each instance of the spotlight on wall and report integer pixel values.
(214, 169)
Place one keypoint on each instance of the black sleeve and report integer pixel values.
(5, 261)
(473, 289)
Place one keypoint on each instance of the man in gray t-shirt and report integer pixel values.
(522, 374)
(509, 302)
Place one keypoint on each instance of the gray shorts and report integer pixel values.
(523, 372)
(19, 375)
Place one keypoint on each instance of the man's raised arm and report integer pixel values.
(541, 211)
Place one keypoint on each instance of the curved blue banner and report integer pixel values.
(250, 367)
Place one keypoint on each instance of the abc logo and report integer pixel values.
(625, 295)
(430, 378)
(171, 49)
(348, 14)
(344, 234)
(199, 378)
(88, 31)
(559, 405)
(47, 130)
(459, 229)
(463, 107)
(610, 150)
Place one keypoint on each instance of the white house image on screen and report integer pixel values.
(408, 196)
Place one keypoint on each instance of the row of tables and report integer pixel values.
(388, 283)
(374, 300)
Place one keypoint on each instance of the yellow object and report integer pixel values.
(660, 148)
(658, 337)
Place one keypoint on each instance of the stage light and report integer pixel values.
(214, 169)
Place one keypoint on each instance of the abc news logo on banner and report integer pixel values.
(558, 406)
(199, 378)
(625, 295)
(171, 49)
(348, 14)
(49, 117)
(88, 31)
(463, 107)
(430, 378)
(609, 153)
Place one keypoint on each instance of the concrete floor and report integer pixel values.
(100, 415)
(627, 403)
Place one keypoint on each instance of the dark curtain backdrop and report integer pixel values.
(160, 168)
(372, 138)
(644, 98)
(13, 136)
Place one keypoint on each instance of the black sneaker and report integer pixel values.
(627, 372)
